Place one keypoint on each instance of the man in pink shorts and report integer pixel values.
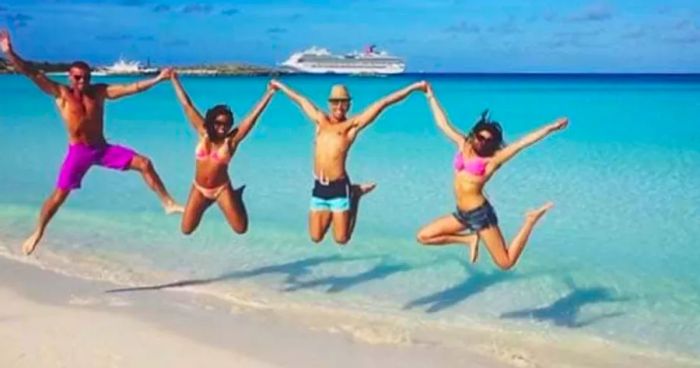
(81, 105)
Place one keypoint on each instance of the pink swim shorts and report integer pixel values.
(81, 157)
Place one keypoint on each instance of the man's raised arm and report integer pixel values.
(371, 113)
(38, 77)
(306, 105)
(114, 91)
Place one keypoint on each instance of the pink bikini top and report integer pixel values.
(475, 166)
(222, 154)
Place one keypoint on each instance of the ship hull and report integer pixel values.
(319, 69)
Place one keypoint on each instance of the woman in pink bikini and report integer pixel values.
(480, 154)
(217, 144)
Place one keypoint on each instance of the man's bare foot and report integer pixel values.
(536, 214)
(171, 207)
(30, 244)
(362, 189)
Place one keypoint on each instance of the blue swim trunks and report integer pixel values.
(333, 196)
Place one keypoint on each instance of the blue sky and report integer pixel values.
(441, 35)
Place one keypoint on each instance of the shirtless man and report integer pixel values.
(81, 106)
(334, 199)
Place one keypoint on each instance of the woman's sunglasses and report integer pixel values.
(482, 138)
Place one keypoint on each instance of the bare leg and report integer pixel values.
(194, 209)
(51, 205)
(344, 222)
(319, 221)
(504, 257)
(145, 167)
(471, 240)
(447, 230)
(231, 204)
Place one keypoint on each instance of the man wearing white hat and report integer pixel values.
(334, 199)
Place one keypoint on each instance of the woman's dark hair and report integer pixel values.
(494, 144)
(210, 119)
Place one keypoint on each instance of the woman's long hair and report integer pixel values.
(496, 142)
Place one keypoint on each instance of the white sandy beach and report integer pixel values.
(52, 320)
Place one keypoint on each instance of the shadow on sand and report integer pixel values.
(474, 283)
(564, 312)
(293, 270)
(382, 270)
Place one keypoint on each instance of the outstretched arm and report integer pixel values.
(114, 91)
(195, 118)
(512, 149)
(371, 113)
(39, 78)
(247, 124)
(441, 118)
(306, 105)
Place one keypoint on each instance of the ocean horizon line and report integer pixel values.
(486, 75)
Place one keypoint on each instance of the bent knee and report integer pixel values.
(240, 229)
(342, 240)
(504, 264)
(188, 229)
(316, 238)
(423, 238)
(142, 163)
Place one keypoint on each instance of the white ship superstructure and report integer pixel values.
(122, 67)
(320, 61)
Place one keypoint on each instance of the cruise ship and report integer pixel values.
(120, 67)
(124, 67)
(321, 61)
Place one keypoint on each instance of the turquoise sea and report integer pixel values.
(617, 258)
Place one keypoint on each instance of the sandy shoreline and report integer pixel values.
(51, 320)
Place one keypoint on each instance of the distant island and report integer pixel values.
(215, 69)
(5, 68)
(226, 69)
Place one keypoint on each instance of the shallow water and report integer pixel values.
(616, 258)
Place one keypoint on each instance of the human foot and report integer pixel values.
(238, 192)
(30, 244)
(472, 242)
(362, 189)
(172, 207)
(536, 214)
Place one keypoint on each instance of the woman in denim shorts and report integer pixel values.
(479, 155)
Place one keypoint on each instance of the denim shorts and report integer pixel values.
(478, 218)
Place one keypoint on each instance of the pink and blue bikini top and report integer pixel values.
(475, 166)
